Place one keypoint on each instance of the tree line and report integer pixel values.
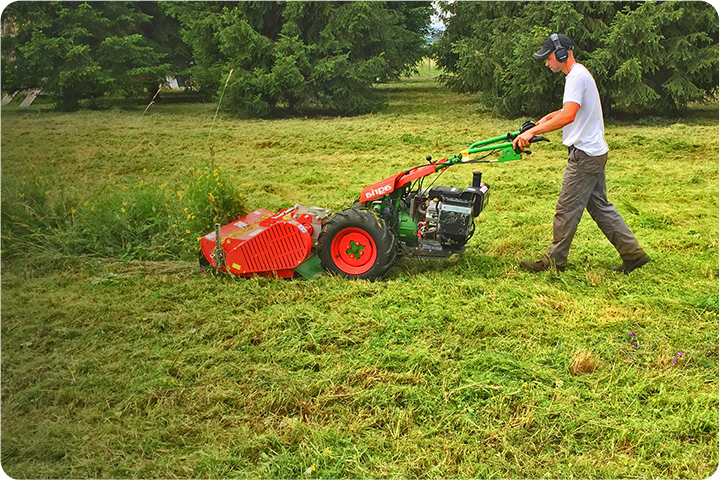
(646, 57)
(283, 55)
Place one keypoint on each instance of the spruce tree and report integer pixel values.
(301, 55)
(646, 57)
(73, 51)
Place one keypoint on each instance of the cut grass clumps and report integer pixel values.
(584, 361)
(129, 220)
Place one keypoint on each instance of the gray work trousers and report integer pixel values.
(583, 188)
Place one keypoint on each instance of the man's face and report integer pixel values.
(552, 63)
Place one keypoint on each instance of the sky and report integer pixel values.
(436, 22)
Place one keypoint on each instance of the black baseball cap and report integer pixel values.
(549, 47)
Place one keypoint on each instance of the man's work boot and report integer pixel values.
(630, 265)
(539, 266)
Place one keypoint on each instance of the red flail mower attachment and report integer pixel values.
(263, 243)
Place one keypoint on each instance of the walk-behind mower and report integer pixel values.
(395, 216)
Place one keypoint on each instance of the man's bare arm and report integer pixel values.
(548, 117)
(549, 123)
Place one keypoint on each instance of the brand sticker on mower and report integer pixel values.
(240, 224)
(378, 191)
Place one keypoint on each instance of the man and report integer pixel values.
(583, 186)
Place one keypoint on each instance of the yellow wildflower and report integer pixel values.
(87, 203)
(32, 167)
(22, 195)
(212, 197)
(185, 209)
(188, 217)
(124, 204)
(73, 211)
(110, 174)
(144, 170)
(47, 192)
(174, 225)
(122, 210)
(161, 186)
(187, 231)
(192, 218)
(92, 209)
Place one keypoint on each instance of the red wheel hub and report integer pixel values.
(353, 250)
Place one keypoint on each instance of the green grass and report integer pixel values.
(115, 367)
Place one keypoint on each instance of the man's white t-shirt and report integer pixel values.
(587, 132)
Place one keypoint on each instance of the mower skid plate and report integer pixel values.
(261, 244)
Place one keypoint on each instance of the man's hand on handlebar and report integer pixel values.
(525, 139)
(522, 141)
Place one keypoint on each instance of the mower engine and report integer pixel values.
(444, 218)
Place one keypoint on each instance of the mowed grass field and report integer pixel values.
(130, 363)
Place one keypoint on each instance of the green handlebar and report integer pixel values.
(509, 136)
(503, 142)
(489, 147)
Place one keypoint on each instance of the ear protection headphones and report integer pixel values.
(561, 53)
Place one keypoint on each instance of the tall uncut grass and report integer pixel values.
(127, 218)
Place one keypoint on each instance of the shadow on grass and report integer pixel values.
(696, 114)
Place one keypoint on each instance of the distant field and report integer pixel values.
(120, 359)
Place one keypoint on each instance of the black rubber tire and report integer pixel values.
(375, 227)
